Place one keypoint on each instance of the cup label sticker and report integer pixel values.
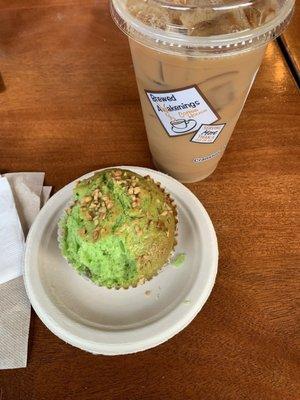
(207, 133)
(182, 111)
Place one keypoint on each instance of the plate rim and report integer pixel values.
(120, 348)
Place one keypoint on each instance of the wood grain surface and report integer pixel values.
(69, 104)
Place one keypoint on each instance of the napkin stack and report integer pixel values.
(21, 197)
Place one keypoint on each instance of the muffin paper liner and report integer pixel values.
(60, 234)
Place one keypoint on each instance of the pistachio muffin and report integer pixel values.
(120, 229)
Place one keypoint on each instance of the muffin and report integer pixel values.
(120, 229)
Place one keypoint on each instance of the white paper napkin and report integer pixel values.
(27, 189)
(23, 195)
(12, 242)
(45, 195)
(14, 324)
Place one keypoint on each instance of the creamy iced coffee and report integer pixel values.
(195, 62)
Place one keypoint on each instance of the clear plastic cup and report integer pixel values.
(195, 62)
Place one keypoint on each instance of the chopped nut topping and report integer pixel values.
(142, 280)
(109, 205)
(136, 190)
(87, 199)
(102, 215)
(93, 205)
(138, 230)
(134, 181)
(164, 213)
(160, 225)
(102, 209)
(130, 190)
(81, 231)
(88, 216)
(96, 222)
(96, 234)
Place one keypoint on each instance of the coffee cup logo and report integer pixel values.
(182, 125)
(182, 111)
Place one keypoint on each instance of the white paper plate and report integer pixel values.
(108, 321)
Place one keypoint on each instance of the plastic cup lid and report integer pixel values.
(208, 26)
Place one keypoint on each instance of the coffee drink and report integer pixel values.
(195, 62)
(224, 80)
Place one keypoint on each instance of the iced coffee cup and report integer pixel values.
(195, 62)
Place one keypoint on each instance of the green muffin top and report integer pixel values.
(120, 229)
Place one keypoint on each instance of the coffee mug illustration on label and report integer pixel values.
(182, 111)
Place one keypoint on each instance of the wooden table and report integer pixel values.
(291, 44)
(70, 106)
